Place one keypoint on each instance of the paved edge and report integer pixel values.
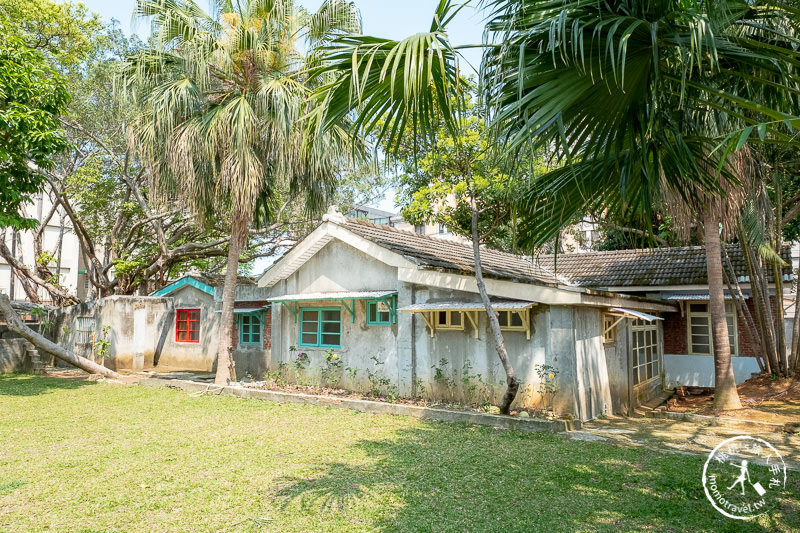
(736, 423)
(367, 406)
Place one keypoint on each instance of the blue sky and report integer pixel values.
(383, 18)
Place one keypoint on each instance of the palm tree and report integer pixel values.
(636, 97)
(641, 100)
(222, 98)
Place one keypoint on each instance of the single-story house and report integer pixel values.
(175, 328)
(382, 308)
(677, 275)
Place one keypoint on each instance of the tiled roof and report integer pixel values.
(218, 280)
(451, 255)
(655, 267)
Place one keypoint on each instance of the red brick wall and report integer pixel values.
(675, 334)
(266, 332)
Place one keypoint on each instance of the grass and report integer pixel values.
(82, 456)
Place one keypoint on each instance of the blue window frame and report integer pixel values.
(250, 325)
(321, 326)
(377, 316)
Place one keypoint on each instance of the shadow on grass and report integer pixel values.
(458, 478)
(30, 385)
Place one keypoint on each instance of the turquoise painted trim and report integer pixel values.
(319, 327)
(257, 315)
(292, 310)
(350, 308)
(378, 322)
(184, 281)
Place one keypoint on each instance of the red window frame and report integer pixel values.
(187, 322)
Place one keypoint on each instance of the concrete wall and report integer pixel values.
(138, 329)
(12, 356)
(698, 370)
(567, 338)
(618, 370)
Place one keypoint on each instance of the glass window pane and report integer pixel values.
(309, 327)
(330, 339)
(455, 318)
(442, 318)
(502, 318)
(384, 316)
(516, 320)
(310, 315)
(331, 327)
(701, 348)
(331, 315)
(698, 308)
(700, 330)
(309, 338)
(372, 309)
(195, 315)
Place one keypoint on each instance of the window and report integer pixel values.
(378, 313)
(83, 335)
(698, 322)
(321, 326)
(449, 320)
(609, 328)
(250, 328)
(187, 325)
(419, 228)
(645, 350)
(510, 321)
(442, 229)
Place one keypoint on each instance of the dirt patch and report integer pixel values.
(763, 400)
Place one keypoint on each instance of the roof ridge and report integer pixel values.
(634, 250)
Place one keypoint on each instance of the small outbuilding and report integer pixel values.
(175, 328)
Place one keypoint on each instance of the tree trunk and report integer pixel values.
(494, 323)
(741, 310)
(761, 308)
(725, 394)
(17, 326)
(777, 270)
(225, 363)
(794, 358)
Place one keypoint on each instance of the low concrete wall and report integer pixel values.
(698, 370)
(367, 406)
(12, 356)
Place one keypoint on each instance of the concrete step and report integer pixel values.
(642, 410)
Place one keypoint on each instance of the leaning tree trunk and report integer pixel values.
(225, 365)
(499, 343)
(16, 325)
(794, 356)
(725, 394)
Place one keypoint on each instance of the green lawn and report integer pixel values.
(83, 456)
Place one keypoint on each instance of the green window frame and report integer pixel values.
(251, 328)
(376, 317)
(320, 327)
